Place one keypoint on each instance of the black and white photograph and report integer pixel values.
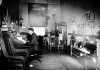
(49, 35)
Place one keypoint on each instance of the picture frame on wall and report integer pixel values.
(90, 15)
(37, 11)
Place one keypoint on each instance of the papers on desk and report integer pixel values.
(84, 50)
(20, 38)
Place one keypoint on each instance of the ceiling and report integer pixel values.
(85, 4)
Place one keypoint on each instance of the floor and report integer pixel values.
(48, 61)
(60, 62)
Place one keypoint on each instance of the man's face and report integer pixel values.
(14, 33)
(30, 31)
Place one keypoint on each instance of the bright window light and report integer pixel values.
(39, 30)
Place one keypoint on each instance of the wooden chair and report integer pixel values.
(9, 42)
(9, 51)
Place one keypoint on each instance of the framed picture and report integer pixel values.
(90, 15)
(37, 14)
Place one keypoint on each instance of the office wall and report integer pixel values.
(72, 16)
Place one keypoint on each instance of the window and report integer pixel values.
(39, 30)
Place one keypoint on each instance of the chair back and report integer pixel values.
(9, 44)
(5, 45)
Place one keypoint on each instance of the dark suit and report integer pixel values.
(32, 41)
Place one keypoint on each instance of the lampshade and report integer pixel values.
(0, 2)
(4, 27)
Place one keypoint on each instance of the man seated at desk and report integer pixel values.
(33, 39)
